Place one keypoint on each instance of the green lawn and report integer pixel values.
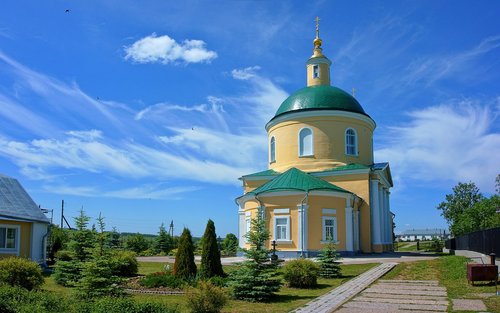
(450, 271)
(287, 299)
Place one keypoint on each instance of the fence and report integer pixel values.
(483, 241)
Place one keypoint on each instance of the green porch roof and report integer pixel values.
(263, 173)
(295, 179)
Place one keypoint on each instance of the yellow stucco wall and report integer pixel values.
(315, 219)
(24, 238)
(324, 75)
(328, 143)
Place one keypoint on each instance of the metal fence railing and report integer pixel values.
(483, 241)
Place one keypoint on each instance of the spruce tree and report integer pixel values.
(82, 239)
(210, 254)
(257, 279)
(184, 266)
(328, 260)
(163, 243)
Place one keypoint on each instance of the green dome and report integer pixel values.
(320, 97)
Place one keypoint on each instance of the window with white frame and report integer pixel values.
(351, 142)
(282, 228)
(272, 149)
(8, 237)
(315, 71)
(305, 142)
(329, 228)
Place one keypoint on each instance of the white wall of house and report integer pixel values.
(38, 241)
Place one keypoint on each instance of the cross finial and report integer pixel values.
(317, 26)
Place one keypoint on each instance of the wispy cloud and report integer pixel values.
(452, 65)
(161, 108)
(165, 50)
(451, 142)
(156, 192)
(245, 73)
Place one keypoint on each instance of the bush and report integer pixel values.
(19, 300)
(16, 299)
(162, 279)
(206, 298)
(20, 272)
(301, 273)
(124, 263)
(68, 273)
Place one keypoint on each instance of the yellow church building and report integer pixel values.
(322, 181)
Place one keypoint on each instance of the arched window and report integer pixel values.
(272, 149)
(305, 142)
(351, 142)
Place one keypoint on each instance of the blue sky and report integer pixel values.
(150, 111)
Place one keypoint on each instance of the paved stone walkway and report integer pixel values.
(335, 298)
(408, 296)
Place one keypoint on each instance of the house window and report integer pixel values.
(315, 71)
(351, 142)
(282, 228)
(8, 238)
(329, 228)
(272, 149)
(305, 142)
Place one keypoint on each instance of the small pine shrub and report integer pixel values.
(329, 262)
(124, 263)
(162, 279)
(210, 254)
(64, 255)
(15, 271)
(206, 298)
(301, 273)
(68, 273)
(184, 266)
(98, 280)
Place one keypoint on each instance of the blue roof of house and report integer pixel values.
(15, 203)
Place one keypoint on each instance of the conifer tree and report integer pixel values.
(82, 239)
(163, 243)
(257, 279)
(328, 260)
(210, 253)
(184, 266)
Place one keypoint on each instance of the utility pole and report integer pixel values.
(171, 229)
(62, 214)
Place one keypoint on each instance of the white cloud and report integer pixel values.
(451, 142)
(163, 49)
(139, 192)
(245, 73)
(161, 108)
(431, 69)
(86, 134)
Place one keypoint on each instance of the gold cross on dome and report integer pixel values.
(317, 26)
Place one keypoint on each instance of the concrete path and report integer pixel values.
(391, 257)
(335, 298)
(400, 296)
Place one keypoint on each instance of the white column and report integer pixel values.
(348, 229)
(302, 231)
(389, 222)
(242, 228)
(375, 211)
(356, 230)
(381, 211)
